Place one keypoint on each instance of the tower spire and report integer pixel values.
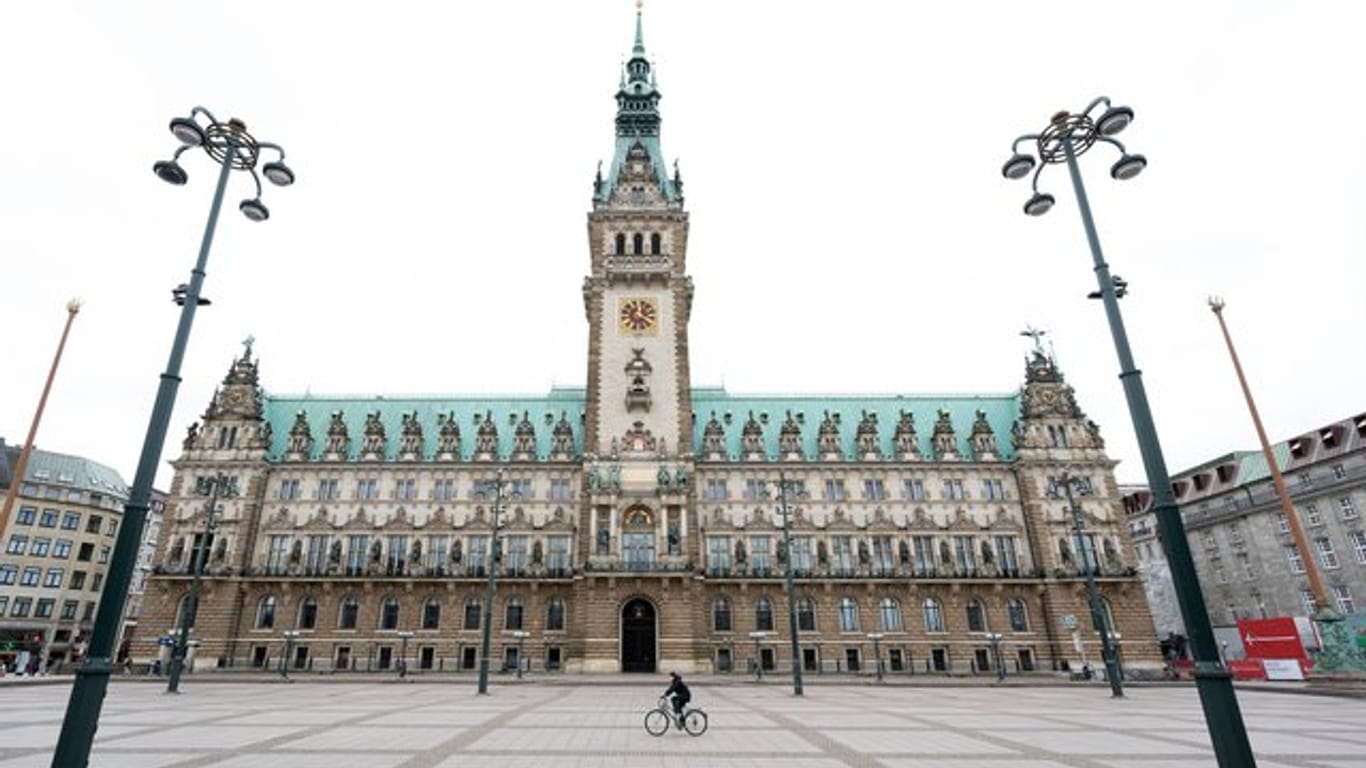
(639, 48)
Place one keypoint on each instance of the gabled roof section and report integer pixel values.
(637, 126)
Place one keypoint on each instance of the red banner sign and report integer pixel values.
(1276, 638)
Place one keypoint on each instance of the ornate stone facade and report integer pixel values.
(639, 516)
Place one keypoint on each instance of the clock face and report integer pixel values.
(638, 315)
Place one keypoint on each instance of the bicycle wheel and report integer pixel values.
(695, 722)
(657, 722)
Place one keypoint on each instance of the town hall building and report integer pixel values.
(640, 519)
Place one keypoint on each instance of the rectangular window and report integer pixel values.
(842, 551)
(913, 488)
(964, 557)
(515, 560)
(755, 489)
(1359, 546)
(93, 523)
(1311, 605)
(718, 555)
(1245, 564)
(560, 489)
(62, 549)
(557, 556)
(329, 489)
(1235, 534)
(18, 543)
(356, 547)
(49, 519)
(69, 608)
(437, 554)
(44, 609)
(8, 573)
(873, 490)
(405, 489)
(484, 489)
(1210, 543)
(639, 549)
(1346, 509)
(88, 612)
(884, 556)
(1292, 555)
(41, 546)
(21, 607)
(289, 489)
(953, 489)
(4, 605)
(1343, 594)
(97, 582)
(1006, 556)
(994, 490)
(77, 580)
(479, 555)
(716, 490)
(26, 515)
(104, 555)
(520, 488)
(277, 554)
(1282, 523)
(317, 552)
(801, 554)
(1339, 472)
(53, 578)
(1312, 518)
(396, 555)
(71, 521)
(834, 490)
(924, 555)
(367, 489)
(443, 490)
(760, 554)
(31, 576)
(85, 552)
(1327, 556)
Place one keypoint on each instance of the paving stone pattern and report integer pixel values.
(418, 725)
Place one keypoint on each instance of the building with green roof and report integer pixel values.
(642, 519)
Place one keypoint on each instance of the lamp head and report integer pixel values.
(1128, 166)
(1018, 166)
(1039, 204)
(278, 173)
(187, 131)
(254, 209)
(1114, 120)
(170, 172)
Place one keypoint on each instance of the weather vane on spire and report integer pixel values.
(639, 4)
(1035, 334)
(246, 347)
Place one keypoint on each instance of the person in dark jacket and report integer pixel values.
(680, 693)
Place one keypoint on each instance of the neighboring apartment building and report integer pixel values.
(56, 551)
(639, 514)
(1240, 539)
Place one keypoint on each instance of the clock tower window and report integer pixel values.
(637, 243)
(621, 244)
(654, 243)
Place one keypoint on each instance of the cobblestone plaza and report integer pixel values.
(384, 724)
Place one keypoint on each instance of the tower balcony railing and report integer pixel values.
(639, 264)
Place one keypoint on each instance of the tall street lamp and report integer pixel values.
(1089, 564)
(791, 591)
(1066, 136)
(290, 636)
(995, 639)
(229, 145)
(218, 486)
(405, 636)
(876, 637)
(492, 565)
(1338, 652)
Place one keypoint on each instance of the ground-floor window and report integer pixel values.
(939, 660)
(766, 658)
(301, 657)
(851, 659)
(386, 657)
(552, 657)
(467, 658)
(724, 663)
(258, 656)
(1026, 657)
(426, 657)
(981, 659)
(895, 661)
(510, 658)
(810, 660)
(343, 657)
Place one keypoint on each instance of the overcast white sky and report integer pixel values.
(850, 233)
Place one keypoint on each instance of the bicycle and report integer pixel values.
(657, 720)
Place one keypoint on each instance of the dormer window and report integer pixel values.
(1226, 472)
(1179, 488)
(1331, 437)
(1301, 447)
(1201, 482)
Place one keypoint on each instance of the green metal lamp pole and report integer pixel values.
(229, 145)
(488, 593)
(791, 591)
(218, 485)
(1089, 561)
(1066, 136)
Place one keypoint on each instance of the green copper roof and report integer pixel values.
(77, 472)
(770, 411)
(638, 122)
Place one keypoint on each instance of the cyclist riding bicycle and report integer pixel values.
(681, 696)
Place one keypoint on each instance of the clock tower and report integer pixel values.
(638, 295)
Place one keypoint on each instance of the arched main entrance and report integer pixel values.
(638, 636)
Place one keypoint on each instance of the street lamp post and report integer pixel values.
(290, 636)
(758, 663)
(995, 639)
(521, 636)
(1338, 648)
(876, 637)
(1066, 136)
(791, 591)
(405, 636)
(218, 486)
(229, 145)
(492, 565)
(1089, 563)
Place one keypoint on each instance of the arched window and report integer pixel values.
(848, 615)
(1019, 616)
(637, 243)
(655, 242)
(554, 614)
(265, 613)
(350, 609)
(934, 615)
(472, 614)
(763, 615)
(621, 244)
(388, 613)
(308, 613)
(512, 617)
(889, 615)
(720, 615)
(977, 616)
(806, 616)
(431, 613)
